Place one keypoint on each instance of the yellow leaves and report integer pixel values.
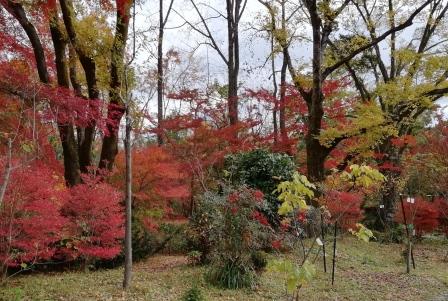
(420, 74)
(410, 97)
(328, 135)
(293, 194)
(363, 176)
(363, 233)
(95, 35)
(345, 46)
(304, 81)
(96, 39)
(367, 123)
(281, 35)
(405, 56)
(398, 91)
(434, 67)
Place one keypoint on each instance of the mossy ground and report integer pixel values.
(364, 271)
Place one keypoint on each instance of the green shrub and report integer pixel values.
(259, 260)
(232, 274)
(262, 170)
(143, 242)
(172, 238)
(194, 257)
(396, 234)
(193, 294)
(226, 223)
(201, 227)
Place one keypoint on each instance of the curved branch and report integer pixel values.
(402, 26)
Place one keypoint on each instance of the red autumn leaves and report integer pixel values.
(42, 220)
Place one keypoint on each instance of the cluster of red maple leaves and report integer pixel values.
(42, 220)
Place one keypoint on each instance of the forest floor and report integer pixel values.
(364, 271)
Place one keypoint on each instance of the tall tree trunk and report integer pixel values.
(128, 205)
(66, 131)
(16, 9)
(116, 109)
(234, 11)
(390, 189)
(233, 16)
(72, 58)
(389, 197)
(89, 67)
(314, 150)
(275, 88)
(71, 163)
(283, 133)
(160, 75)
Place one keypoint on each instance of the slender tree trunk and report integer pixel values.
(128, 153)
(233, 15)
(160, 75)
(275, 87)
(234, 10)
(7, 173)
(283, 133)
(128, 204)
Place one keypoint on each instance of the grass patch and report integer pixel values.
(363, 272)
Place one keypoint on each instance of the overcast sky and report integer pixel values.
(254, 47)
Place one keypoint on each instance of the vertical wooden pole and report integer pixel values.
(409, 247)
(323, 241)
(334, 251)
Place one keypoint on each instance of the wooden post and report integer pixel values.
(323, 241)
(334, 251)
(409, 247)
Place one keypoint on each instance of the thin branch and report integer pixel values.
(209, 34)
(402, 26)
(168, 13)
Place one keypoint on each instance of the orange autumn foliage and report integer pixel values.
(160, 181)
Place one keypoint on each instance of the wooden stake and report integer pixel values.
(334, 252)
(409, 247)
(323, 241)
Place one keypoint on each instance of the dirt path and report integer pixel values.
(163, 262)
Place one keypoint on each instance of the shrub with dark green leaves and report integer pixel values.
(259, 260)
(263, 170)
(231, 227)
